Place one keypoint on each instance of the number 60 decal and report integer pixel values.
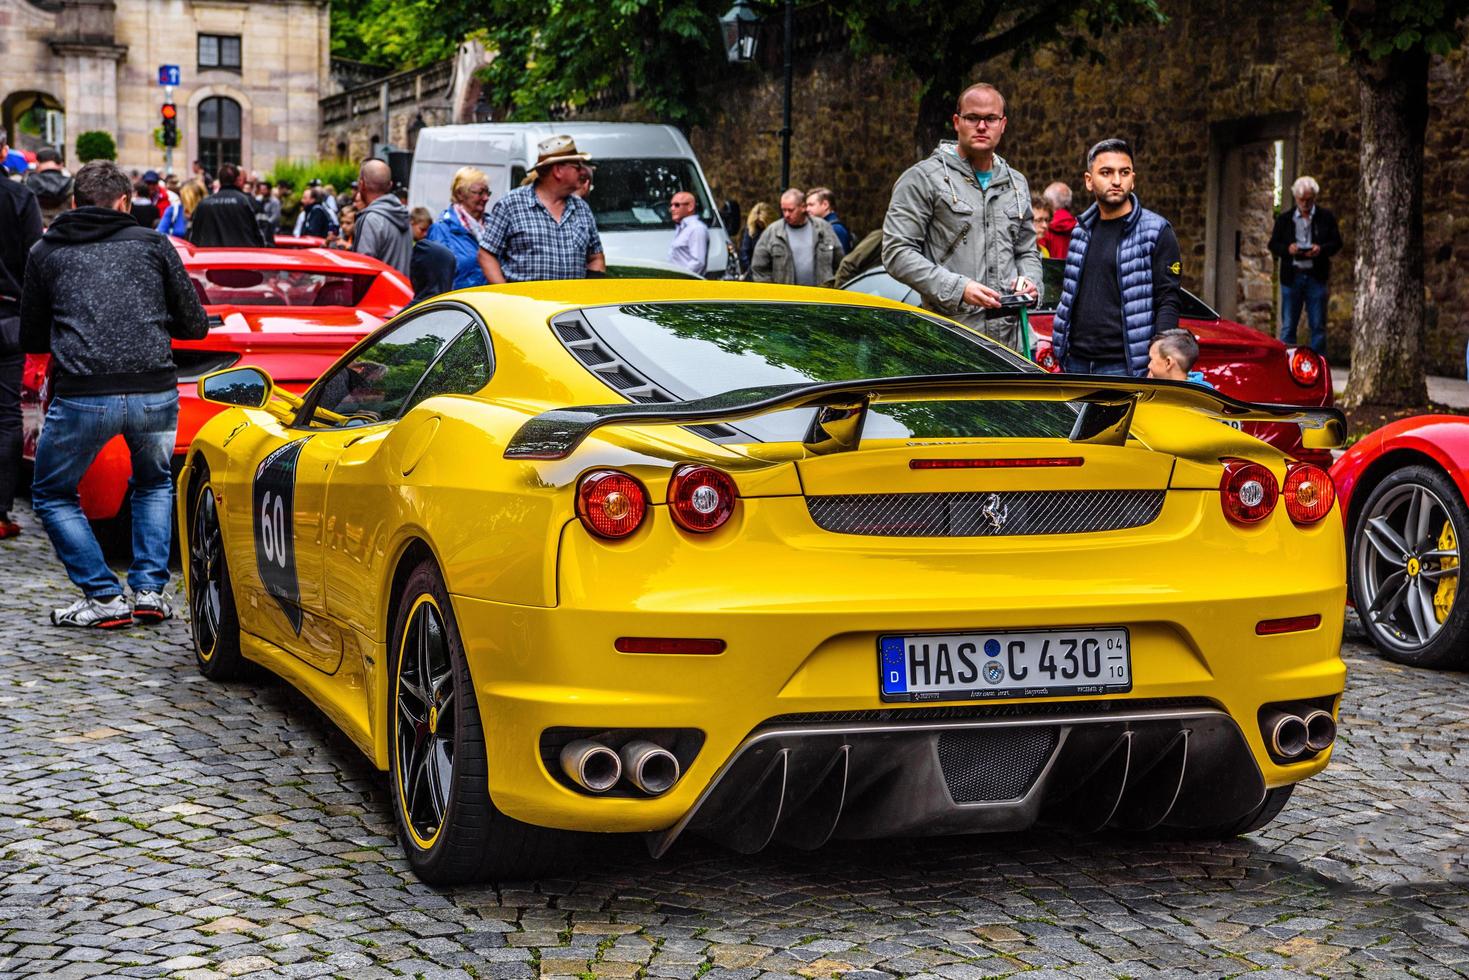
(274, 528)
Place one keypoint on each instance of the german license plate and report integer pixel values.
(1035, 664)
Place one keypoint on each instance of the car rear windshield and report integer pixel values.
(278, 287)
(692, 350)
(633, 195)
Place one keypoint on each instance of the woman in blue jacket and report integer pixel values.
(459, 226)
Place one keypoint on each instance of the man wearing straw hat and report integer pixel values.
(543, 230)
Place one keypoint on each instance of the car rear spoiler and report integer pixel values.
(1107, 407)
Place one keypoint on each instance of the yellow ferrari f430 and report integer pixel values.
(766, 564)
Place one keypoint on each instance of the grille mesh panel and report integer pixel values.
(983, 514)
(987, 766)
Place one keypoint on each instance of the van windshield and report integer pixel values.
(633, 195)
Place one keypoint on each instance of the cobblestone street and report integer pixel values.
(155, 824)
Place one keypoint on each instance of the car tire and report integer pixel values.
(1269, 808)
(1414, 613)
(450, 829)
(213, 620)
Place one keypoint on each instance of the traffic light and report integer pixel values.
(170, 115)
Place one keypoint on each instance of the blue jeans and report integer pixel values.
(1084, 365)
(1311, 292)
(76, 429)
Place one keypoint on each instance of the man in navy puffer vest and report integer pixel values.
(1122, 270)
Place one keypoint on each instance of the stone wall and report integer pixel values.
(1217, 73)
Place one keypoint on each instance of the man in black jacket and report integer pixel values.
(227, 217)
(103, 296)
(1304, 239)
(20, 228)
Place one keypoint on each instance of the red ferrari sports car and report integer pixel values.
(1238, 360)
(291, 312)
(1402, 490)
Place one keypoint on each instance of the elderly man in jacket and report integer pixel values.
(800, 250)
(959, 228)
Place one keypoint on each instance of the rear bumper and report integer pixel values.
(801, 612)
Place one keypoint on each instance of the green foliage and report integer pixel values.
(396, 34)
(566, 53)
(338, 173)
(96, 144)
(1375, 32)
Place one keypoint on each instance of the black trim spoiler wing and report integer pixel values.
(1107, 407)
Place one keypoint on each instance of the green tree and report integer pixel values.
(564, 53)
(942, 42)
(396, 34)
(96, 144)
(1390, 45)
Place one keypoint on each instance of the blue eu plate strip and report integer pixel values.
(894, 666)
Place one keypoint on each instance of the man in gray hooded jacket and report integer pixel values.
(959, 229)
(382, 223)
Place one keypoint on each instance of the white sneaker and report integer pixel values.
(151, 607)
(97, 613)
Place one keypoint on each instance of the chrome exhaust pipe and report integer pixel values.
(1320, 730)
(1285, 734)
(651, 768)
(591, 765)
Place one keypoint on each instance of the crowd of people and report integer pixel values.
(84, 278)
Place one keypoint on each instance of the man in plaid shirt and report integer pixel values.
(544, 230)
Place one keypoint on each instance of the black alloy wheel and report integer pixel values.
(425, 723)
(449, 827)
(212, 615)
(1405, 556)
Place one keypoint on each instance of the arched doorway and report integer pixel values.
(219, 132)
(33, 120)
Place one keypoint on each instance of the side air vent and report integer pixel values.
(618, 375)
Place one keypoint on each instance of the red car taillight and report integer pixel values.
(1309, 493)
(611, 504)
(1305, 366)
(1247, 491)
(701, 498)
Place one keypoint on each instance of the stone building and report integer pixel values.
(252, 74)
(1223, 104)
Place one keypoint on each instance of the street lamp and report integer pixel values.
(740, 27)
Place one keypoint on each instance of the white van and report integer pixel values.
(639, 168)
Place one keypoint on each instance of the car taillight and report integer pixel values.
(700, 498)
(1309, 493)
(1045, 356)
(1305, 366)
(611, 504)
(1247, 491)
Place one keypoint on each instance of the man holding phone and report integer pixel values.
(959, 228)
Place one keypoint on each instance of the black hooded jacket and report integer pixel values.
(102, 297)
(226, 218)
(20, 226)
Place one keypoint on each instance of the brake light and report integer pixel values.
(993, 464)
(1309, 493)
(1305, 367)
(701, 498)
(611, 504)
(1247, 491)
